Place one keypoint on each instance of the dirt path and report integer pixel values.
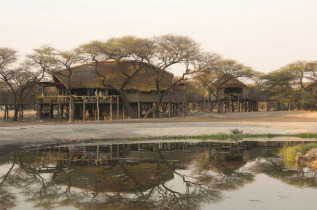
(251, 123)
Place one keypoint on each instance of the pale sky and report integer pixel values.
(263, 34)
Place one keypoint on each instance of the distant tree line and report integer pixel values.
(160, 53)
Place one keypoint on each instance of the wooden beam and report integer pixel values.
(183, 109)
(118, 107)
(5, 112)
(84, 110)
(110, 107)
(123, 112)
(22, 114)
(49, 111)
(38, 111)
(98, 110)
(139, 110)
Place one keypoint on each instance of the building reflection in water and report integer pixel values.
(179, 175)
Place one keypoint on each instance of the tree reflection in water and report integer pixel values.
(275, 167)
(146, 176)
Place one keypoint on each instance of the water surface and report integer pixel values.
(160, 175)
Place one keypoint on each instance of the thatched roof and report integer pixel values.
(234, 83)
(230, 83)
(84, 76)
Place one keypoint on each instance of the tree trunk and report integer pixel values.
(72, 108)
(16, 111)
(155, 107)
(218, 103)
(128, 109)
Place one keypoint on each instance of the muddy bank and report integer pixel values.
(307, 160)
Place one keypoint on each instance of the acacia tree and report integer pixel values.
(168, 52)
(58, 63)
(20, 78)
(125, 49)
(290, 83)
(216, 74)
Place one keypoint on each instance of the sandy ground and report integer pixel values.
(252, 123)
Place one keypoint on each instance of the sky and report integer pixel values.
(263, 34)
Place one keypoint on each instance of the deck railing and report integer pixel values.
(80, 99)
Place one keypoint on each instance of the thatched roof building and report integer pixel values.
(127, 177)
(113, 75)
(228, 82)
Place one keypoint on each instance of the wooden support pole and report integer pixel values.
(111, 152)
(38, 111)
(204, 105)
(169, 109)
(49, 111)
(62, 111)
(118, 150)
(123, 112)
(98, 110)
(183, 109)
(118, 107)
(22, 114)
(84, 110)
(229, 105)
(238, 103)
(59, 109)
(5, 112)
(139, 110)
(111, 108)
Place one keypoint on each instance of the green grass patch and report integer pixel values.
(289, 152)
(134, 139)
(306, 135)
(223, 136)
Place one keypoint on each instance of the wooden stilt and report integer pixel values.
(59, 109)
(22, 114)
(118, 150)
(238, 103)
(98, 109)
(84, 110)
(49, 111)
(111, 108)
(38, 111)
(118, 107)
(123, 112)
(268, 106)
(169, 109)
(8, 112)
(230, 105)
(111, 152)
(139, 110)
(62, 111)
(5, 112)
(183, 109)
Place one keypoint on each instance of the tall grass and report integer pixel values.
(289, 152)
